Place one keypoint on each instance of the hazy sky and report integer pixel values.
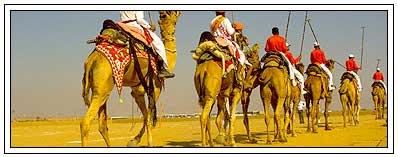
(48, 51)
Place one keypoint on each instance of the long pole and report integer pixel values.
(309, 23)
(287, 25)
(233, 18)
(302, 37)
(378, 60)
(363, 34)
(150, 18)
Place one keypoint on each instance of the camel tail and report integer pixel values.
(343, 87)
(86, 83)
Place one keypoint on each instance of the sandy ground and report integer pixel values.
(186, 133)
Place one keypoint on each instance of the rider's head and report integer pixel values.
(316, 45)
(378, 69)
(220, 12)
(351, 56)
(275, 30)
(206, 36)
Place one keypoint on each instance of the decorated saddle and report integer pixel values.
(112, 43)
(351, 77)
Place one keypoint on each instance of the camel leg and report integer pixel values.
(326, 113)
(220, 118)
(377, 106)
(292, 119)
(343, 100)
(314, 115)
(266, 97)
(277, 115)
(245, 107)
(308, 112)
(205, 118)
(235, 100)
(97, 100)
(208, 129)
(140, 101)
(103, 126)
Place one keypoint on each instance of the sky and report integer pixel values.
(48, 51)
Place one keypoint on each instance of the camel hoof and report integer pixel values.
(132, 143)
(252, 140)
(220, 139)
(328, 128)
(269, 142)
(308, 130)
(294, 134)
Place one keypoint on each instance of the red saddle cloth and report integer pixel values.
(119, 58)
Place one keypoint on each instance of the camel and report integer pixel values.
(316, 85)
(98, 78)
(212, 84)
(295, 99)
(251, 82)
(231, 90)
(349, 97)
(379, 99)
(275, 91)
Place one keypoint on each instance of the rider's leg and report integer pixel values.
(291, 74)
(358, 80)
(330, 76)
(300, 78)
(158, 47)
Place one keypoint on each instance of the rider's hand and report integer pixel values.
(153, 28)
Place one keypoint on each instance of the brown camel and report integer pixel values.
(231, 90)
(98, 78)
(379, 99)
(275, 91)
(251, 82)
(295, 98)
(349, 97)
(211, 83)
(317, 86)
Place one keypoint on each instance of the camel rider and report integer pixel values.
(136, 19)
(239, 38)
(352, 68)
(297, 73)
(221, 27)
(379, 77)
(277, 43)
(318, 57)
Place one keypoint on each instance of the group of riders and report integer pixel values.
(225, 41)
(222, 29)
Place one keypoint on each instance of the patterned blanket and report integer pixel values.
(119, 57)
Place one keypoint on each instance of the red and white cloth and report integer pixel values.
(119, 57)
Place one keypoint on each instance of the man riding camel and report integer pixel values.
(136, 19)
(222, 28)
(318, 57)
(379, 77)
(277, 43)
(297, 73)
(353, 68)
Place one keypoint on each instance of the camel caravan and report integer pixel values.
(129, 53)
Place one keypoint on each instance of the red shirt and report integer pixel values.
(318, 56)
(289, 56)
(378, 76)
(351, 65)
(275, 43)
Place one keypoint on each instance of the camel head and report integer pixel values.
(330, 64)
(300, 67)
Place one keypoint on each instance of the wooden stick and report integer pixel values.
(302, 38)
(150, 18)
(309, 23)
(363, 32)
(287, 25)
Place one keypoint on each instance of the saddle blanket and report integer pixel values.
(119, 57)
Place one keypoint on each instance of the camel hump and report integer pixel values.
(273, 59)
(347, 75)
